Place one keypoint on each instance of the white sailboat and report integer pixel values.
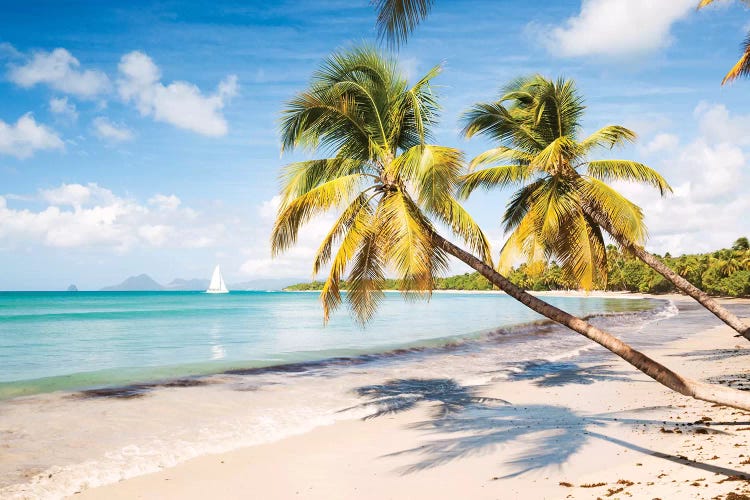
(217, 284)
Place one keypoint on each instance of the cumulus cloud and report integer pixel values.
(180, 103)
(112, 132)
(61, 71)
(26, 136)
(615, 27)
(709, 207)
(718, 125)
(88, 215)
(60, 106)
(76, 195)
(165, 202)
(662, 143)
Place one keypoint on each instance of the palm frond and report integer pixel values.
(625, 170)
(360, 229)
(521, 244)
(433, 170)
(581, 252)
(300, 177)
(501, 154)
(607, 137)
(407, 234)
(742, 66)
(462, 224)
(398, 18)
(367, 277)
(624, 216)
(488, 178)
(558, 152)
(350, 217)
(300, 210)
(520, 202)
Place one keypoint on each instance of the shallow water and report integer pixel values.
(59, 340)
(57, 443)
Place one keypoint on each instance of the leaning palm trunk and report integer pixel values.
(705, 392)
(677, 280)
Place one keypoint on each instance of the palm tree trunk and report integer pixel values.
(706, 392)
(678, 281)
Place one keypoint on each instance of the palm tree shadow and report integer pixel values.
(396, 396)
(465, 424)
(545, 373)
(714, 354)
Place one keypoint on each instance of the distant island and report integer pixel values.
(724, 272)
(72, 288)
(145, 283)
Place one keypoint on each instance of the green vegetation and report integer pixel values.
(723, 272)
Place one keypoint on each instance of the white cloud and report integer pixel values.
(26, 136)
(709, 207)
(60, 70)
(85, 216)
(718, 125)
(615, 27)
(109, 131)
(662, 143)
(156, 235)
(164, 202)
(76, 195)
(8, 51)
(61, 106)
(181, 104)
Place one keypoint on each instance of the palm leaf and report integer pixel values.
(607, 137)
(625, 170)
(300, 210)
(493, 177)
(398, 18)
(624, 216)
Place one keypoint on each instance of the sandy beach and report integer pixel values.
(598, 431)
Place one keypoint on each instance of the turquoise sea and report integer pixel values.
(61, 340)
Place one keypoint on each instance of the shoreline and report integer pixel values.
(655, 443)
(249, 366)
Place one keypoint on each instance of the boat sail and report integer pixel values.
(217, 284)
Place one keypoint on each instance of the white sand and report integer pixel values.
(609, 431)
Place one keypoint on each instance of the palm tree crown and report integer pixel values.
(536, 124)
(380, 174)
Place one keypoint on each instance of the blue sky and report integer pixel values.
(142, 138)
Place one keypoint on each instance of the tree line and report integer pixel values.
(724, 272)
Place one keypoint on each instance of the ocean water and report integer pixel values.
(64, 341)
(125, 384)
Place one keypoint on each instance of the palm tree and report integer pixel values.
(388, 185)
(398, 18)
(742, 66)
(741, 244)
(564, 201)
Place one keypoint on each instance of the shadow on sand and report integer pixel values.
(465, 424)
(545, 373)
(714, 354)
